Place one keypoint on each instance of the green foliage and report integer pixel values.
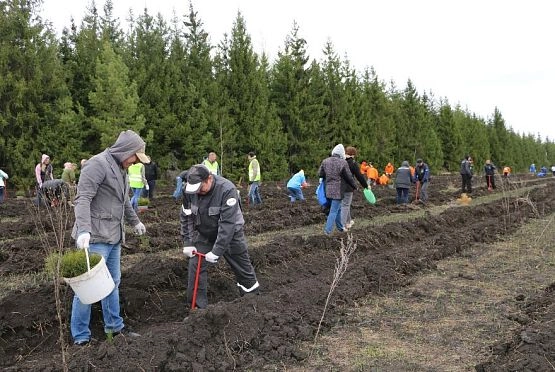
(71, 97)
(71, 264)
(143, 201)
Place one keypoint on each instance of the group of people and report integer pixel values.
(211, 226)
(254, 172)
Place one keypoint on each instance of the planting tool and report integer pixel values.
(489, 183)
(417, 191)
(194, 302)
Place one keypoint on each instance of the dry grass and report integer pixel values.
(449, 317)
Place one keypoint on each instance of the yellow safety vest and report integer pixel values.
(212, 167)
(251, 171)
(135, 176)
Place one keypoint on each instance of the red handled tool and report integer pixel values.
(194, 302)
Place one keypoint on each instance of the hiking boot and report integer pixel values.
(127, 332)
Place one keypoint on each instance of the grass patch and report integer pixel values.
(449, 317)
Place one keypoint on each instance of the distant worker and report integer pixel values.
(137, 182)
(403, 182)
(254, 179)
(489, 169)
(372, 174)
(466, 174)
(383, 180)
(295, 186)
(3, 177)
(212, 164)
(553, 170)
(364, 168)
(533, 168)
(422, 177)
(506, 171)
(389, 169)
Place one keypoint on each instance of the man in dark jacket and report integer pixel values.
(489, 169)
(466, 174)
(422, 178)
(212, 224)
(335, 173)
(151, 175)
(403, 182)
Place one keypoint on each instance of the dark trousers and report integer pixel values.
(237, 256)
(466, 183)
(402, 195)
(490, 181)
(150, 192)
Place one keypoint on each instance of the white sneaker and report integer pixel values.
(350, 224)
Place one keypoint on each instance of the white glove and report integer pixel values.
(139, 229)
(211, 257)
(146, 187)
(189, 251)
(83, 240)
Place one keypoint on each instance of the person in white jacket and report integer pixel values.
(3, 176)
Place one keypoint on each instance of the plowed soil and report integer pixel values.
(295, 265)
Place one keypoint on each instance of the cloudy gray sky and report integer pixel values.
(480, 54)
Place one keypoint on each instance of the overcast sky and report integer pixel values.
(480, 54)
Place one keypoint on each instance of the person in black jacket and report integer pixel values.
(346, 220)
(151, 175)
(212, 224)
(489, 169)
(466, 174)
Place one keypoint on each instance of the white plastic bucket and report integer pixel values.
(93, 285)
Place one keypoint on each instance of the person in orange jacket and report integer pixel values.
(389, 169)
(384, 179)
(412, 171)
(372, 174)
(506, 171)
(363, 167)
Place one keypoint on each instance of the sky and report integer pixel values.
(479, 54)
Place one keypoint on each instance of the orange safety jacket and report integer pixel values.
(372, 173)
(384, 180)
(389, 168)
(363, 167)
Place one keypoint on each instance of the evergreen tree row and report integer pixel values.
(70, 97)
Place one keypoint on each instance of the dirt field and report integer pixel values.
(408, 263)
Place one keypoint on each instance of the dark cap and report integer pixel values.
(419, 161)
(195, 176)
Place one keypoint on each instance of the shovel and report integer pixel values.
(194, 302)
(417, 192)
(489, 183)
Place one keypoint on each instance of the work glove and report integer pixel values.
(146, 187)
(211, 257)
(83, 240)
(139, 229)
(189, 251)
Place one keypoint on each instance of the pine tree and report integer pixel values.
(114, 99)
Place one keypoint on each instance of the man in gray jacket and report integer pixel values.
(101, 206)
(212, 224)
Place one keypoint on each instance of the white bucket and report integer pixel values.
(93, 285)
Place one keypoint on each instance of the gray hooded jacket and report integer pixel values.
(102, 201)
(335, 171)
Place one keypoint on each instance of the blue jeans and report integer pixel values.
(334, 217)
(81, 313)
(295, 194)
(1, 194)
(254, 193)
(135, 198)
(178, 188)
(402, 195)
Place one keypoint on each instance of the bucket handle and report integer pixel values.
(88, 260)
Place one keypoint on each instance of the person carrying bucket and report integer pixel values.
(211, 227)
(101, 206)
